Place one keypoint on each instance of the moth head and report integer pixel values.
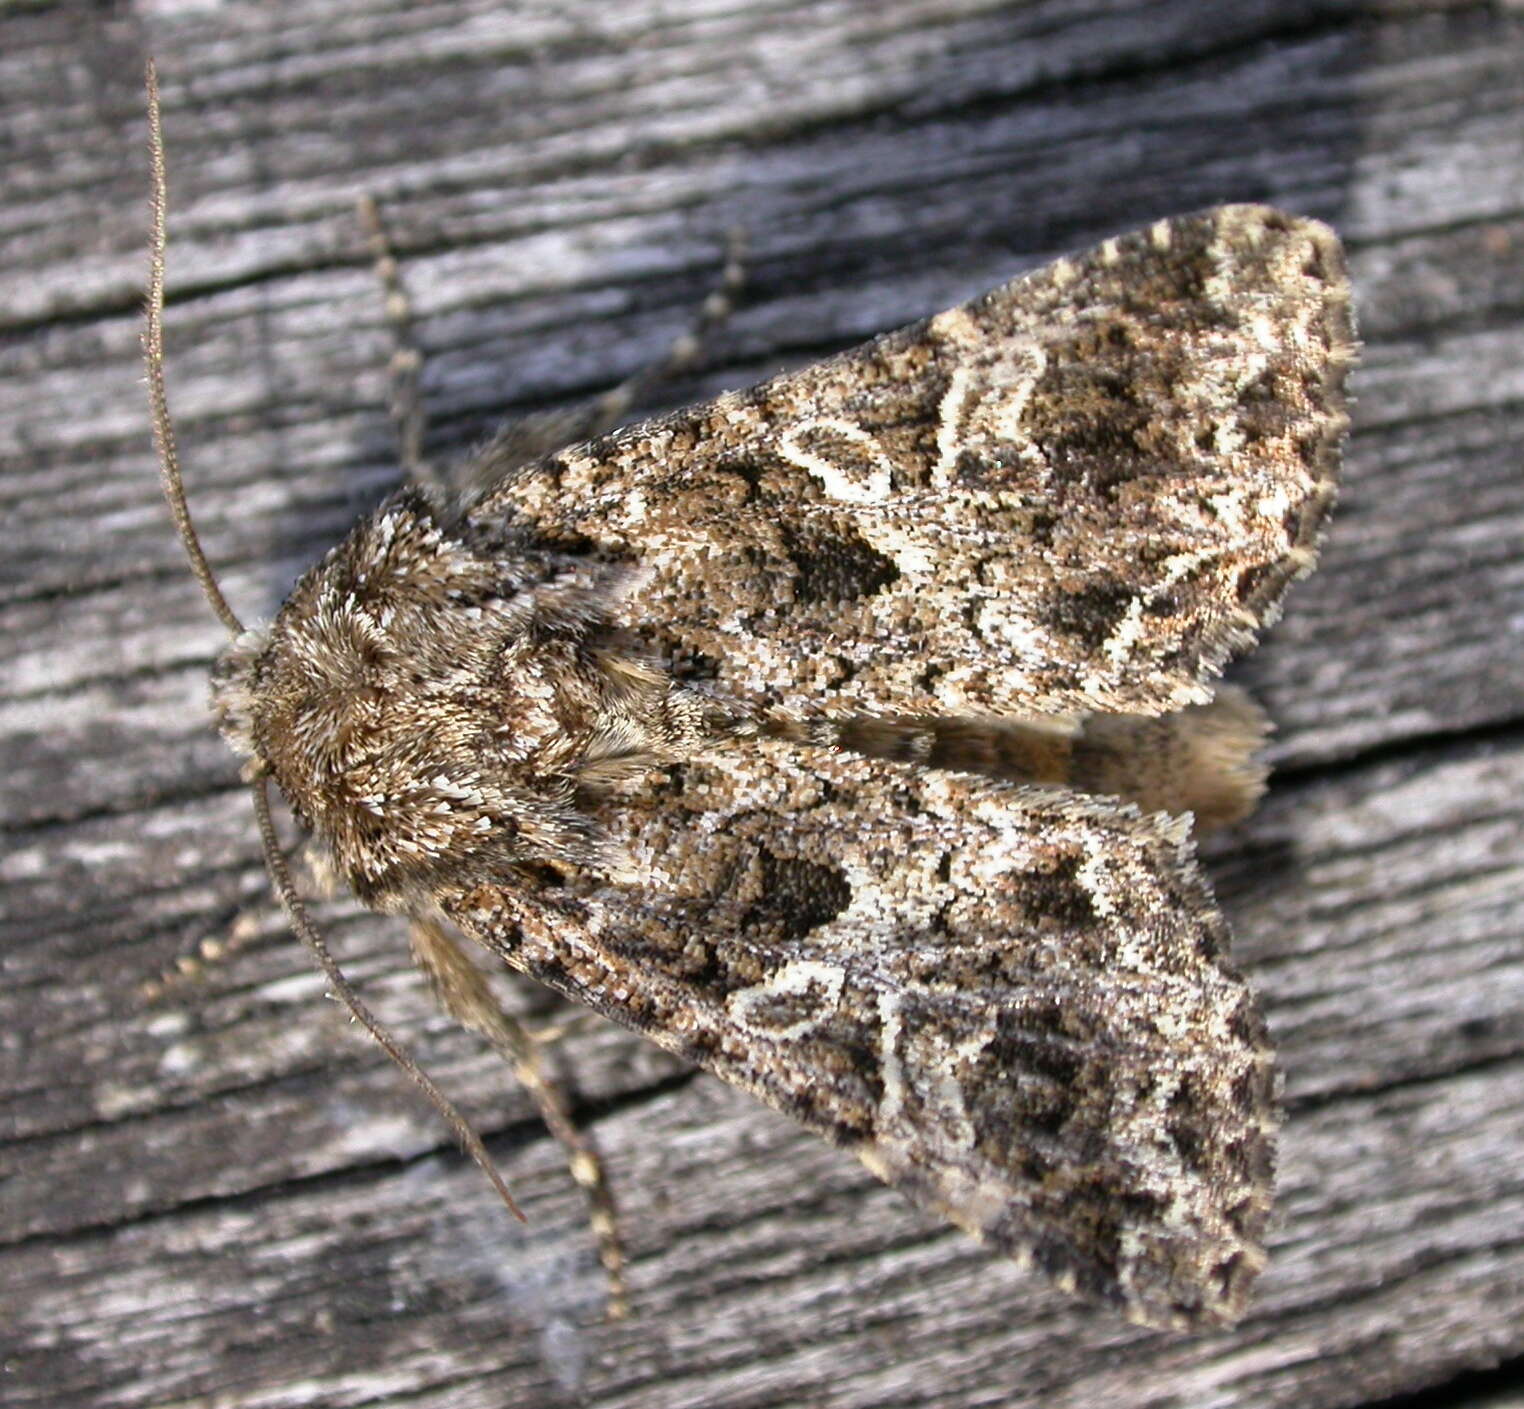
(235, 692)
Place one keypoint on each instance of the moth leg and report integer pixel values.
(463, 992)
(559, 1031)
(526, 438)
(605, 412)
(210, 952)
(529, 438)
(231, 936)
(405, 400)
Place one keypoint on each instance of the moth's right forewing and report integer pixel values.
(1012, 1003)
(1081, 491)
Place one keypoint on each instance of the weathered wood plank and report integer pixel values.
(228, 1198)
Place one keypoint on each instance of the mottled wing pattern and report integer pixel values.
(1011, 1003)
(1079, 493)
(1082, 491)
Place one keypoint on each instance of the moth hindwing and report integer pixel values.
(843, 735)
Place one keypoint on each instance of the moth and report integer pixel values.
(844, 735)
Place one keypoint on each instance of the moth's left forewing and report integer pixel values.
(1082, 491)
(1013, 1003)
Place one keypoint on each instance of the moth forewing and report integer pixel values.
(841, 735)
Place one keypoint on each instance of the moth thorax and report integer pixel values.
(421, 737)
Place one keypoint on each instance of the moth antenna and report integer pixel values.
(174, 492)
(307, 932)
(153, 358)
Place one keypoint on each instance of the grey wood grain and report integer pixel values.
(228, 1198)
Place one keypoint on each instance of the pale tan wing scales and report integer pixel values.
(1082, 491)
